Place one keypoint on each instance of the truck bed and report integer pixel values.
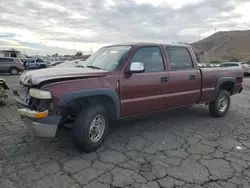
(212, 76)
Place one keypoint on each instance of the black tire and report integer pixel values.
(14, 71)
(216, 108)
(81, 135)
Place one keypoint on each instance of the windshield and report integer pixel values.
(107, 58)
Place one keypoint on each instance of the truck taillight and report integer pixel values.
(20, 62)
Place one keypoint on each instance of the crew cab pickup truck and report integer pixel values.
(119, 82)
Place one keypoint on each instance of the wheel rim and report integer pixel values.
(223, 104)
(13, 71)
(97, 128)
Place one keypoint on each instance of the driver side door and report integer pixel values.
(145, 92)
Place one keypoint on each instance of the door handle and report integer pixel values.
(164, 79)
(192, 77)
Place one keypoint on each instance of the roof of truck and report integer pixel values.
(148, 44)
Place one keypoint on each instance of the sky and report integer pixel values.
(41, 27)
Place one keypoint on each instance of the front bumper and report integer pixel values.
(42, 127)
(45, 127)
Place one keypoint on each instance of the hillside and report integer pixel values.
(224, 46)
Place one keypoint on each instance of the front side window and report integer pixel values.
(151, 57)
(179, 58)
(107, 58)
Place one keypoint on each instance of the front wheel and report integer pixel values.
(220, 107)
(3, 95)
(91, 127)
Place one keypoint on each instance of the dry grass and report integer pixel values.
(225, 45)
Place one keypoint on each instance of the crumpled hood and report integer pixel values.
(35, 77)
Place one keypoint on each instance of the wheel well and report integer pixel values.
(12, 68)
(75, 106)
(228, 86)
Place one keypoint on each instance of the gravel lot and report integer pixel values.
(174, 149)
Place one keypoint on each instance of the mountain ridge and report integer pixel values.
(224, 46)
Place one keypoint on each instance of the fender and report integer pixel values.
(223, 80)
(66, 98)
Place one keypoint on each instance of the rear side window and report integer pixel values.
(229, 65)
(179, 58)
(6, 60)
(39, 60)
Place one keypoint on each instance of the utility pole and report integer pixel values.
(74, 46)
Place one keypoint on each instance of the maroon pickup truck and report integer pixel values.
(118, 82)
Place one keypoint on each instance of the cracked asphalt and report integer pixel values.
(180, 148)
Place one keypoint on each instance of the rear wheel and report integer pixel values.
(220, 107)
(91, 127)
(42, 66)
(14, 71)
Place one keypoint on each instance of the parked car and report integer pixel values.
(72, 63)
(11, 65)
(37, 63)
(244, 66)
(120, 82)
(55, 63)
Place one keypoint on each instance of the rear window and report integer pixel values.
(6, 60)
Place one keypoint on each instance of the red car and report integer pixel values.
(119, 82)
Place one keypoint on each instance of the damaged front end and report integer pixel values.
(35, 107)
(3, 88)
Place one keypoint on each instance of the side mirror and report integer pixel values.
(136, 67)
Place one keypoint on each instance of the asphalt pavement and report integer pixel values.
(180, 148)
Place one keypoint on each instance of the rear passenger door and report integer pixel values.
(32, 64)
(184, 77)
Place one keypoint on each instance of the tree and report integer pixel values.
(215, 62)
(79, 53)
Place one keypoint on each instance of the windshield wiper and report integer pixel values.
(80, 66)
(93, 67)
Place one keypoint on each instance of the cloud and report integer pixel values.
(51, 26)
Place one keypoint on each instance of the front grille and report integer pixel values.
(40, 105)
